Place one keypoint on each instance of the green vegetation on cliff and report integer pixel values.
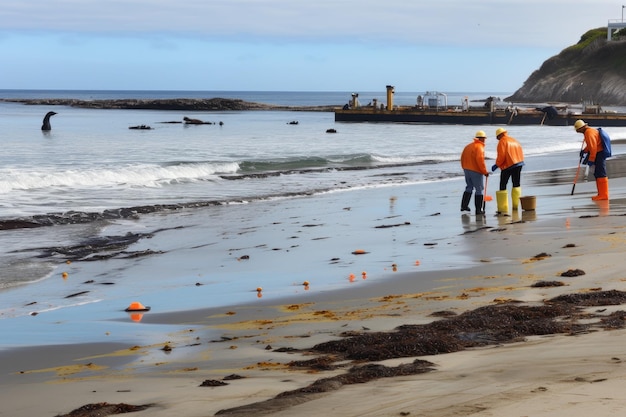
(593, 71)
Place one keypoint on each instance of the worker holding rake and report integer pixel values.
(596, 148)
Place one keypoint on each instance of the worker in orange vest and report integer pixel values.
(473, 164)
(595, 156)
(510, 159)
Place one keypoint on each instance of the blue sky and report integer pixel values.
(287, 45)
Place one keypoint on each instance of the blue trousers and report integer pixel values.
(474, 181)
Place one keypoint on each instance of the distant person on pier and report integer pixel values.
(473, 164)
(510, 159)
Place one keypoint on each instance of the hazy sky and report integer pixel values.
(288, 45)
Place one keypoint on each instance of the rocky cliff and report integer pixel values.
(593, 70)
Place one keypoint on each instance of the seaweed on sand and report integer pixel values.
(104, 409)
(594, 298)
(489, 325)
(483, 326)
(355, 375)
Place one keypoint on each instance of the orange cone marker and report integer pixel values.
(137, 306)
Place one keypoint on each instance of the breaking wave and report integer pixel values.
(153, 175)
(140, 175)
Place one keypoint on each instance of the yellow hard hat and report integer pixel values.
(481, 134)
(578, 124)
(500, 131)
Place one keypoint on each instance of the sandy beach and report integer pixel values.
(241, 360)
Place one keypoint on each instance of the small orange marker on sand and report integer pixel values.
(64, 275)
(417, 263)
(359, 252)
(351, 277)
(364, 275)
(394, 267)
(137, 306)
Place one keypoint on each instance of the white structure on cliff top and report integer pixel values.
(614, 25)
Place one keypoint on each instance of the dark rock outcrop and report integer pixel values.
(181, 104)
(592, 71)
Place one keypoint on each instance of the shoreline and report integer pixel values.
(505, 262)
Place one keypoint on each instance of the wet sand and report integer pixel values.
(217, 360)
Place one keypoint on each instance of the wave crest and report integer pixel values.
(140, 175)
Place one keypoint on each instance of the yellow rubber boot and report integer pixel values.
(603, 189)
(516, 193)
(502, 197)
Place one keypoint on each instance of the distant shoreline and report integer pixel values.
(187, 104)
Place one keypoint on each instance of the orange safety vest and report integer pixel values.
(473, 157)
(593, 143)
(509, 152)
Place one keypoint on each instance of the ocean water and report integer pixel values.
(92, 162)
(95, 187)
